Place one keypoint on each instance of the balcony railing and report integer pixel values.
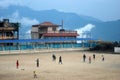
(6, 28)
(57, 32)
(6, 37)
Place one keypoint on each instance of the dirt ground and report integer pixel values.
(73, 67)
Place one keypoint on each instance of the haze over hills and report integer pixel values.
(28, 17)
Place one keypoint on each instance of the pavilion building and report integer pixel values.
(49, 30)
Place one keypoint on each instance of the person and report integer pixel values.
(54, 57)
(37, 61)
(103, 58)
(94, 56)
(34, 74)
(84, 57)
(60, 60)
(89, 59)
(17, 64)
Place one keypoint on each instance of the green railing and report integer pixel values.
(40, 46)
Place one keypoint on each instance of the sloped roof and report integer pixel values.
(47, 24)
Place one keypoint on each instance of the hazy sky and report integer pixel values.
(105, 10)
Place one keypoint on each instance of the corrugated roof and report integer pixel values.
(60, 34)
(45, 40)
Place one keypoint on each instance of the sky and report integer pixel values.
(105, 10)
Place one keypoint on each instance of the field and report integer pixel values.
(73, 67)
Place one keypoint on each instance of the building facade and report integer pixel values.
(49, 30)
(8, 30)
(44, 35)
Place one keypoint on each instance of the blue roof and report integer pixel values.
(44, 40)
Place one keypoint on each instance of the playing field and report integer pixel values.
(73, 67)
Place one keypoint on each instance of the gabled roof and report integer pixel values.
(46, 24)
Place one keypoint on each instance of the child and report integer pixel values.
(103, 58)
(34, 74)
(89, 59)
(37, 61)
(17, 64)
(60, 60)
(84, 57)
(54, 57)
(94, 56)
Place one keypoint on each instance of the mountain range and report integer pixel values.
(108, 31)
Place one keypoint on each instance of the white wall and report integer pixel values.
(117, 49)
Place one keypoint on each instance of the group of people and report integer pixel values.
(54, 58)
(89, 58)
(37, 61)
(34, 72)
(60, 61)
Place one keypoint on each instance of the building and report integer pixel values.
(48, 30)
(8, 30)
(116, 49)
(44, 35)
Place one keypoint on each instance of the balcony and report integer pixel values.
(68, 31)
(41, 32)
(6, 28)
(6, 37)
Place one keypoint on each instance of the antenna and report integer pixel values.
(62, 24)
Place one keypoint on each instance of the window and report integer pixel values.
(54, 28)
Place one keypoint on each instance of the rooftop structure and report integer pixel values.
(8, 30)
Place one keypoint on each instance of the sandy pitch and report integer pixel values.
(73, 67)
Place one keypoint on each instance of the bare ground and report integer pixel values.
(73, 67)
